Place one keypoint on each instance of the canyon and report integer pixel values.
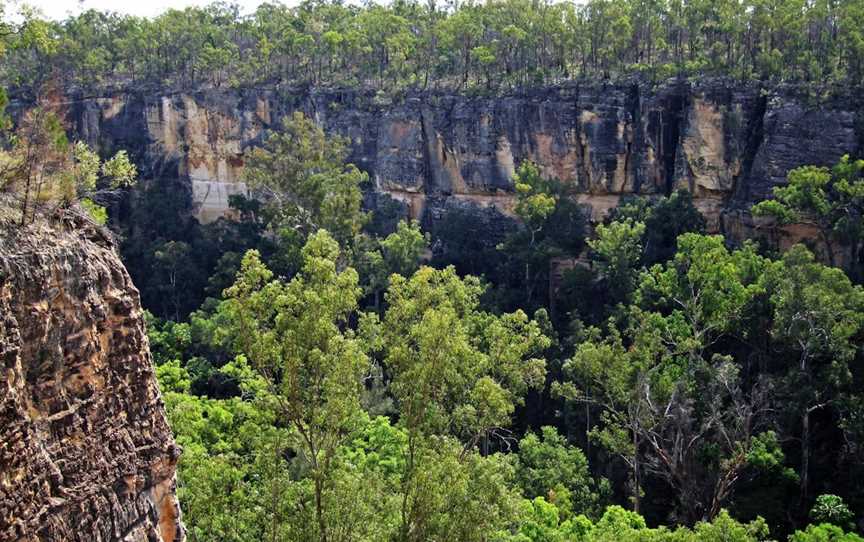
(87, 452)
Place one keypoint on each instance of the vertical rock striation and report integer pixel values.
(727, 142)
(86, 453)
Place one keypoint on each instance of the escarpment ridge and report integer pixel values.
(727, 142)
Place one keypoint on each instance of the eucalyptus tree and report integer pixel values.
(294, 334)
(667, 395)
(457, 372)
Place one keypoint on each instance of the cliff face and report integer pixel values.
(85, 450)
(728, 143)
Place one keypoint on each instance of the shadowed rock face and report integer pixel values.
(728, 143)
(85, 450)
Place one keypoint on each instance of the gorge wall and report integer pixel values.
(86, 453)
(728, 143)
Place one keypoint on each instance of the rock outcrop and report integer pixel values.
(86, 453)
(728, 143)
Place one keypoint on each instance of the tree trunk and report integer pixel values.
(829, 248)
(637, 485)
(805, 455)
(319, 509)
(405, 528)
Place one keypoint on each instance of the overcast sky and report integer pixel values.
(59, 9)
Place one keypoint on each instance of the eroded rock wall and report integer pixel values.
(86, 453)
(728, 143)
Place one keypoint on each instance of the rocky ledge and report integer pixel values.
(85, 448)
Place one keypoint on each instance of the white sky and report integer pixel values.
(60, 9)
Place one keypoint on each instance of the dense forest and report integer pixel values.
(456, 45)
(364, 392)
(331, 377)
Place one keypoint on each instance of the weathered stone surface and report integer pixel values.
(728, 143)
(714, 137)
(797, 134)
(85, 450)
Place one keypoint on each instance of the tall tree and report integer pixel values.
(294, 335)
(819, 317)
(304, 179)
(456, 370)
(667, 396)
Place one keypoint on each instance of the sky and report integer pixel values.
(59, 9)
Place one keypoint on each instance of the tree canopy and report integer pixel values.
(409, 44)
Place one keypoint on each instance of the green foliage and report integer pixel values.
(400, 252)
(824, 533)
(404, 248)
(534, 201)
(173, 378)
(456, 372)
(552, 226)
(818, 309)
(456, 368)
(618, 249)
(290, 444)
(43, 170)
(304, 181)
(832, 199)
(267, 387)
(292, 335)
(704, 285)
(508, 44)
(831, 509)
(665, 220)
(649, 379)
(97, 213)
(541, 524)
(818, 316)
(175, 281)
(558, 472)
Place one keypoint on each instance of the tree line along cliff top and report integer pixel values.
(405, 44)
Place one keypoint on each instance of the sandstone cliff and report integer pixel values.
(728, 143)
(85, 449)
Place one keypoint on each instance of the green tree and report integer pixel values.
(667, 399)
(618, 250)
(558, 472)
(552, 227)
(819, 317)
(534, 201)
(303, 177)
(665, 220)
(401, 252)
(831, 509)
(293, 335)
(824, 533)
(456, 370)
(833, 199)
(43, 168)
(404, 248)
